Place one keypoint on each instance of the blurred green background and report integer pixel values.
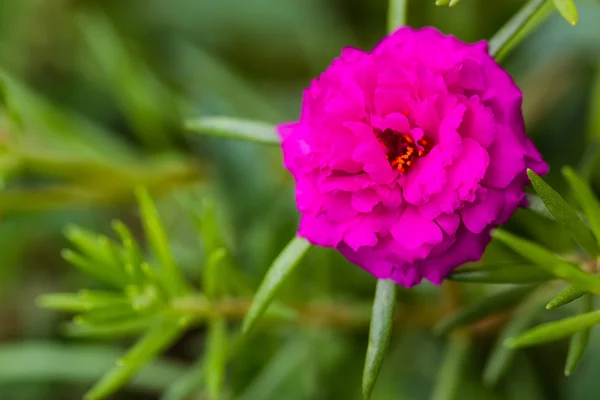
(94, 95)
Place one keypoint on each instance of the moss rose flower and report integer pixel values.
(405, 158)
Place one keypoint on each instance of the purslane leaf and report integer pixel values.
(567, 295)
(216, 357)
(449, 376)
(551, 263)
(503, 273)
(586, 198)
(579, 341)
(82, 301)
(555, 330)
(157, 237)
(278, 272)
(518, 27)
(382, 319)
(480, 309)
(234, 128)
(567, 9)
(565, 215)
(156, 340)
(501, 356)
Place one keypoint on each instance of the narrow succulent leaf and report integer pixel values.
(454, 2)
(278, 272)
(132, 254)
(130, 327)
(567, 295)
(501, 356)
(579, 340)
(216, 357)
(69, 302)
(382, 319)
(480, 309)
(211, 272)
(157, 237)
(565, 215)
(187, 384)
(442, 2)
(503, 273)
(554, 265)
(149, 346)
(450, 375)
(518, 27)
(586, 198)
(99, 254)
(551, 331)
(82, 301)
(107, 315)
(234, 128)
(396, 17)
(567, 9)
(90, 268)
(39, 362)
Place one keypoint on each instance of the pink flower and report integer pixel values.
(406, 157)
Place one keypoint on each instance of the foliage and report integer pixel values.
(104, 104)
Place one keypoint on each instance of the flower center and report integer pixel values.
(401, 149)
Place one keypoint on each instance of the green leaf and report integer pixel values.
(508, 273)
(43, 361)
(132, 254)
(579, 341)
(82, 301)
(146, 102)
(216, 357)
(551, 331)
(482, 308)
(101, 256)
(278, 272)
(234, 128)
(454, 2)
(286, 364)
(565, 296)
(501, 356)
(156, 235)
(185, 385)
(518, 27)
(448, 382)
(567, 9)
(548, 261)
(99, 272)
(442, 2)
(396, 17)
(211, 273)
(565, 215)
(586, 198)
(130, 327)
(382, 319)
(149, 346)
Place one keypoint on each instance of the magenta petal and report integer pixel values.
(406, 157)
(412, 230)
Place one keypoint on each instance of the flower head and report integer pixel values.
(406, 157)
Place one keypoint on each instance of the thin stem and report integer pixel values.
(330, 314)
(396, 17)
(518, 27)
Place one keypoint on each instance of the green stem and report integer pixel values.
(396, 17)
(518, 27)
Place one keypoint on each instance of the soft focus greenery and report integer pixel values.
(169, 232)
